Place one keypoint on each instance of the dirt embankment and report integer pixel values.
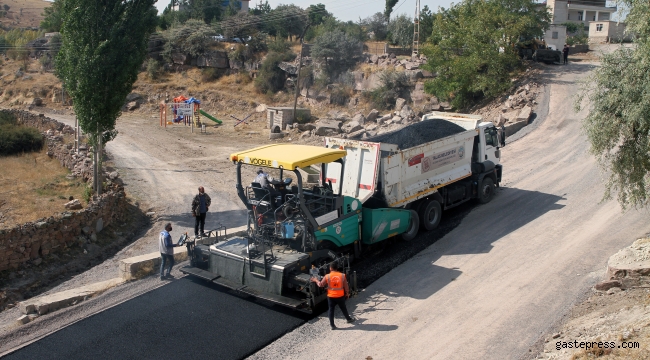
(614, 321)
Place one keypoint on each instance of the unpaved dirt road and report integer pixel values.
(490, 288)
(163, 167)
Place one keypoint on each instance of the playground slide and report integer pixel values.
(210, 117)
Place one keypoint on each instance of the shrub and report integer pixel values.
(15, 139)
(153, 69)
(210, 74)
(340, 95)
(336, 51)
(270, 77)
(393, 86)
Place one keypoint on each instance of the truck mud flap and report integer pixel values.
(205, 275)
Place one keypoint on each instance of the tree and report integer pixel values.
(104, 45)
(473, 47)
(337, 51)
(52, 17)
(191, 38)
(426, 24)
(260, 9)
(240, 25)
(390, 4)
(317, 14)
(401, 31)
(618, 123)
(288, 20)
(377, 24)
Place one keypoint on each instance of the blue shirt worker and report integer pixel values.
(166, 251)
(200, 206)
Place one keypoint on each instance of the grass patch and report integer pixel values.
(36, 187)
(15, 138)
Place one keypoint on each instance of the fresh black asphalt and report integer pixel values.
(185, 319)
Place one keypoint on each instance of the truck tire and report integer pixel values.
(486, 190)
(413, 228)
(430, 214)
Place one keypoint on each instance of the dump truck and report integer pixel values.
(429, 177)
(368, 192)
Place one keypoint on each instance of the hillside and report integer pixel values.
(23, 13)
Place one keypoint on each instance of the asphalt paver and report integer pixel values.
(185, 319)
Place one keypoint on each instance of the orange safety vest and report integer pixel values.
(335, 281)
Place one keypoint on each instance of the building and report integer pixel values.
(279, 117)
(579, 11)
(607, 31)
(555, 36)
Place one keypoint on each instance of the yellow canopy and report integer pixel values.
(288, 156)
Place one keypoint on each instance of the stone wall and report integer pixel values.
(30, 241)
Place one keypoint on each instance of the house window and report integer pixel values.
(599, 27)
(554, 35)
(579, 16)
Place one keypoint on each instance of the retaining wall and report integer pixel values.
(32, 240)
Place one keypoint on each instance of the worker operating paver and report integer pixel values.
(337, 292)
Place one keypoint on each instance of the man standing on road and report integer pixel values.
(166, 251)
(337, 292)
(200, 206)
(565, 52)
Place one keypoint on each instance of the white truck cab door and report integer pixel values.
(490, 140)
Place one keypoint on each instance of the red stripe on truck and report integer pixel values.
(330, 179)
(416, 159)
(365, 187)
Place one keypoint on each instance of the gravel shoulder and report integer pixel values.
(508, 273)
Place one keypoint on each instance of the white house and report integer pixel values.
(579, 11)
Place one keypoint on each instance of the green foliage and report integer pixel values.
(204, 10)
(240, 25)
(378, 24)
(618, 123)
(270, 78)
(427, 18)
(260, 9)
(401, 31)
(104, 46)
(576, 34)
(317, 14)
(15, 139)
(88, 193)
(473, 47)
(191, 38)
(394, 85)
(279, 46)
(153, 69)
(6, 7)
(337, 52)
(287, 21)
(53, 19)
(251, 51)
(390, 4)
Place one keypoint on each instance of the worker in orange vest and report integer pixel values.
(337, 292)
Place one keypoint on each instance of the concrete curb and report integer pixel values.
(138, 267)
(49, 303)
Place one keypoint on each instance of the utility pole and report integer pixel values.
(295, 99)
(416, 30)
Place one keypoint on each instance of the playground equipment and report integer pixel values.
(210, 117)
(186, 111)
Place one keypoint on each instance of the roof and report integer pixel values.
(288, 156)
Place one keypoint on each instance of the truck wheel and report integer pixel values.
(430, 214)
(412, 231)
(486, 190)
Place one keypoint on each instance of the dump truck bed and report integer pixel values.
(406, 175)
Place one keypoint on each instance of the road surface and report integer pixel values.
(508, 273)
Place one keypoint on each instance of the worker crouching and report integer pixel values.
(338, 291)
